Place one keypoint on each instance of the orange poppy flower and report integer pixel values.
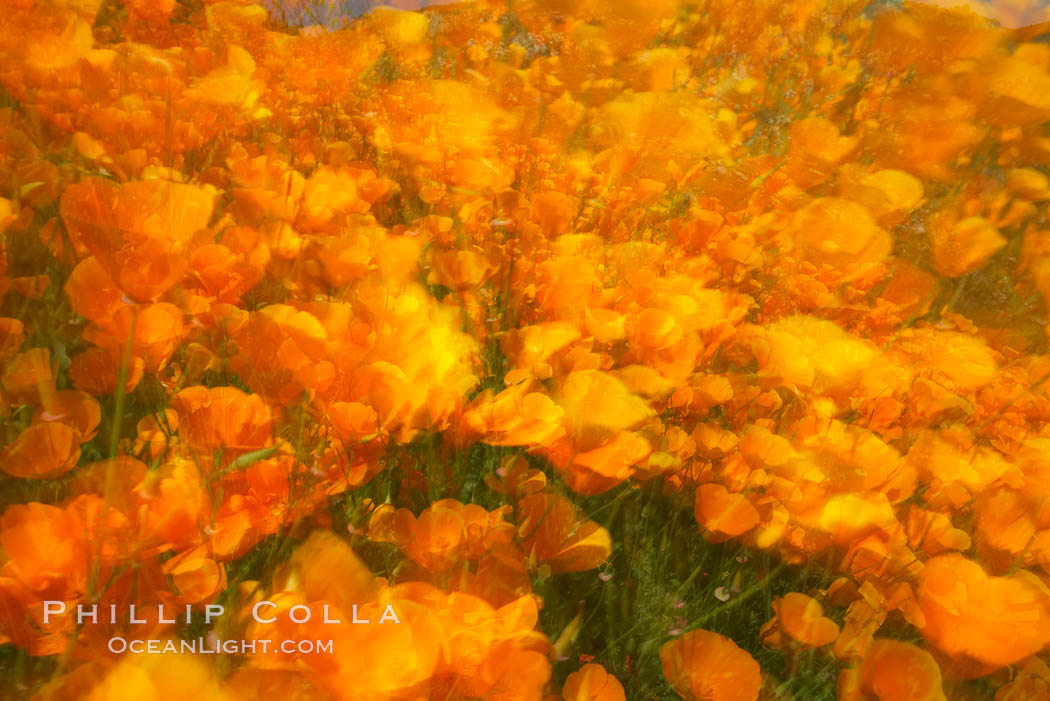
(173, 504)
(265, 187)
(599, 469)
(29, 377)
(281, 351)
(848, 517)
(592, 683)
(52, 38)
(655, 329)
(635, 129)
(155, 331)
(256, 502)
(79, 410)
(45, 559)
(723, 514)
(798, 621)
(353, 421)
(460, 270)
(514, 478)
(897, 671)
(879, 556)
(328, 569)
(447, 531)
(231, 84)
(840, 233)
(223, 417)
(378, 660)
(42, 451)
(12, 335)
(221, 274)
(705, 666)
(962, 246)
(97, 371)
(139, 231)
(957, 361)
(345, 258)
(195, 577)
(114, 480)
(105, 530)
(532, 347)
(553, 211)
(500, 577)
(815, 150)
(92, 291)
(889, 195)
(516, 417)
(994, 620)
(809, 352)
(329, 192)
(1006, 525)
(565, 284)
(549, 530)
(510, 673)
(45, 550)
(912, 289)
(934, 532)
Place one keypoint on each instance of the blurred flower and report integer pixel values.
(704, 666)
